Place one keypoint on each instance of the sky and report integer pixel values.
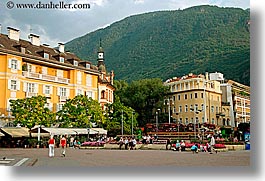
(62, 25)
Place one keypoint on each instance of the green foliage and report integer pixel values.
(144, 96)
(167, 44)
(117, 112)
(29, 112)
(80, 112)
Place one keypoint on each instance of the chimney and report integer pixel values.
(34, 39)
(13, 33)
(61, 47)
(206, 76)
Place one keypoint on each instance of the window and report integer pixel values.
(59, 107)
(60, 73)
(186, 108)
(203, 121)
(13, 64)
(212, 108)
(186, 121)
(79, 77)
(61, 59)
(213, 121)
(196, 107)
(46, 55)
(180, 109)
(185, 96)
(190, 96)
(47, 89)
(202, 95)
(31, 87)
(89, 94)
(197, 120)
(178, 97)
(13, 85)
(44, 70)
(75, 63)
(62, 91)
(195, 95)
(174, 109)
(88, 66)
(88, 80)
(202, 107)
(180, 120)
(79, 92)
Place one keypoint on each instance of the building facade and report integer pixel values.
(237, 97)
(30, 69)
(194, 97)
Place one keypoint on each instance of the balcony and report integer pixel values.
(63, 98)
(31, 94)
(50, 78)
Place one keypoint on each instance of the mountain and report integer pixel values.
(168, 44)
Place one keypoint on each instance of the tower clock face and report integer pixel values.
(100, 55)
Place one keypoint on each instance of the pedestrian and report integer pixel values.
(63, 145)
(177, 147)
(72, 142)
(51, 143)
(126, 143)
(212, 143)
(168, 144)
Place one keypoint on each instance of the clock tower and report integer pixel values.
(101, 64)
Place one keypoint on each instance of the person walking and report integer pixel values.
(51, 143)
(212, 143)
(63, 145)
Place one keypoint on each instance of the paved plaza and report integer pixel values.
(101, 157)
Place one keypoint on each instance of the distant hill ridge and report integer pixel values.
(167, 44)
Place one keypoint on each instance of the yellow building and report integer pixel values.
(194, 97)
(30, 69)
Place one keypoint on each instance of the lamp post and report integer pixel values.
(157, 120)
(195, 112)
(88, 131)
(122, 123)
(168, 103)
(178, 122)
(132, 123)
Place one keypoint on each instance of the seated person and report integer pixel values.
(194, 148)
(77, 144)
(183, 146)
(177, 148)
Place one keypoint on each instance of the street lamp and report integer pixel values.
(122, 123)
(157, 120)
(88, 131)
(132, 122)
(178, 122)
(168, 103)
(195, 112)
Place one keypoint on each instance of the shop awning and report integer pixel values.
(16, 131)
(70, 131)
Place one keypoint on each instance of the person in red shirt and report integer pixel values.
(63, 145)
(51, 143)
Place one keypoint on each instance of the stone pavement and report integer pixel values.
(103, 157)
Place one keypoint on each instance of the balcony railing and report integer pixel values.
(31, 94)
(50, 78)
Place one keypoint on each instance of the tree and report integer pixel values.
(80, 112)
(144, 96)
(29, 112)
(116, 113)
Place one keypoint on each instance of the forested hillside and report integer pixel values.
(167, 44)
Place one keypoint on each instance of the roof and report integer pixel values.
(37, 51)
(1, 134)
